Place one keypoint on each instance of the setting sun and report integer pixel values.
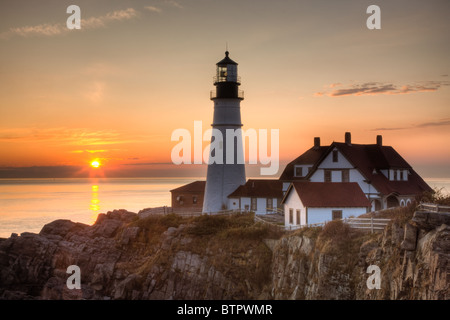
(95, 164)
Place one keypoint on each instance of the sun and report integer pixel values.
(95, 164)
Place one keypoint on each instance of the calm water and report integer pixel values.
(28, 204)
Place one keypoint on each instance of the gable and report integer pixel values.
(334, 159)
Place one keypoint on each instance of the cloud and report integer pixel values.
(89, 151)
(153, 9)
(64, 136)
(148, 164)
(374, 88)
(174, 4)
(60, 28)
(102, 21)
(96, 92)
(438, 123)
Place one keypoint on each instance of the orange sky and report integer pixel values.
(137, 70)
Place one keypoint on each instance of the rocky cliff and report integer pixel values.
(123, 256)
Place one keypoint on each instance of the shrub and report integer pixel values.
(336, 231)
(436, 196)
(210, 224)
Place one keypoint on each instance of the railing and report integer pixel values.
(372, 224)
(433, 207)
(271, 224)
(217, 79)
(213, 94)
(275, 211)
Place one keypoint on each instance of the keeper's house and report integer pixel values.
(382, 174)
(316, 202)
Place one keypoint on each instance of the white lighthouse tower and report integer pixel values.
(223, 178)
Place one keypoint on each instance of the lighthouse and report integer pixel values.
(223, 178)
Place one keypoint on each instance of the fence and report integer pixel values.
(167, 210)
(366, 224)
(271, 224)
(433, 207)
(371, 224)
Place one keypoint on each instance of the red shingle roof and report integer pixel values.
(309, 157)
(329, 194)
(261, 188)
(366, 158)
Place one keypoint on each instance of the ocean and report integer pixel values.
(26, 205)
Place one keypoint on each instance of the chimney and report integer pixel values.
(348, 138)
(316, 142)
(380, 140)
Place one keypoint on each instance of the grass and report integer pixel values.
(155, 225)
(209, 224)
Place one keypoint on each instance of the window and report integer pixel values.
(222, 74)
(269, 203)
(335, 156)
(291, 216)
(299, 171)
(405, 175)
(345, 175)
(327, 175)
(254, 204)
(298, 216)
(194, 199)
(397, 177)
(336, 214)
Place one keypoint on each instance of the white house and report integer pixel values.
(383, 175)
(258, 195)
(316, 202)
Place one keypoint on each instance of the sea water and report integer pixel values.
(26, 205)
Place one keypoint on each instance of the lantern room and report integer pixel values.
(227, 80)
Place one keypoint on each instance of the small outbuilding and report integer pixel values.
(188, 198)
(316, 202)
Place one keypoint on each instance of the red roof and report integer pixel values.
(369, 159)
(329, 194)
(309, 157)
(194, 187)
(261, 188)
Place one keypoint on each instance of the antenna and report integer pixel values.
(226, 46)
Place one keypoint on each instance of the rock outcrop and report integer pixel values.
(123, 256)
(414, 260)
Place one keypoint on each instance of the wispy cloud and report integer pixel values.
(174, 3)
(96, 92)
(374, 88)
(90, 151)
(437, 123)
(60, 28)
(148, 164)
(65, 136)
(153, 9)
